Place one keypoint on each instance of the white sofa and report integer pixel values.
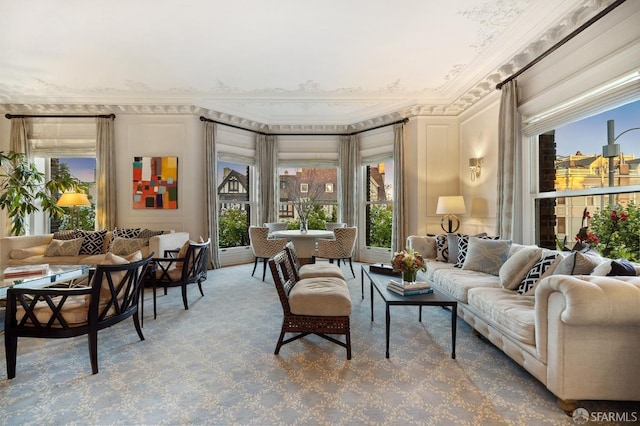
(578, 334)
(30, 249)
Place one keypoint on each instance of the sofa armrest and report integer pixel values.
(592, 300)
(7, 244)
(158, 244)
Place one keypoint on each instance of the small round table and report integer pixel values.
(305, 244)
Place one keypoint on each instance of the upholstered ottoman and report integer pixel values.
(316, 270)
(321, 296)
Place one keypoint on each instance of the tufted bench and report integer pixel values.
(319, 305)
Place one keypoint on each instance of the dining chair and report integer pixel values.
(276, 226)
(263, 247)
(340, 248)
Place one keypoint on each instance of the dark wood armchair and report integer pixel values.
(188, 266)
(111, 297)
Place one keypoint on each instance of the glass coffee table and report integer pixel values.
(379, 282)
(55, 275)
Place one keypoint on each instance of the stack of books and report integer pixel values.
(25, 271)
(406, 289)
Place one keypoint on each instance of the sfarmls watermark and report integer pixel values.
(581, 416)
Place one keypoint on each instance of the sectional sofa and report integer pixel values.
(571, 319)
(93, 247)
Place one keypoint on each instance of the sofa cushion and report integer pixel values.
(486, 255)
(542, 268)
(64, 247)
(124, 246)
(578, 263)
(68, 234)
(518, 265)
(508, 312)
(457, 282)
(93, 242)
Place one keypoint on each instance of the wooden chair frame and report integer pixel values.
(194, 270)
(124, 284)
(284, 278)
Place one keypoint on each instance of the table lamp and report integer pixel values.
(73, 200)
(450, 206)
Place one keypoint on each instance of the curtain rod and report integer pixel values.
(404, 121)
(561, 42)
(10, 116)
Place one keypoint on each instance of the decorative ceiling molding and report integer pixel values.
(309, 95)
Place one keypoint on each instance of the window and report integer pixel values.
(328, 187)
(303, 191)
(379, 204)
(234, 206)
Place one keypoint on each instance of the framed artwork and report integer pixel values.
(155, 182)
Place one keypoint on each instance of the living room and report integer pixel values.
(594, 71)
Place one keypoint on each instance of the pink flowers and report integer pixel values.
(408, 260)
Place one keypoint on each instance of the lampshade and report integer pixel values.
(453, 204)
(72, 199)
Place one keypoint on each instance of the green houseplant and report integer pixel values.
(24, 189)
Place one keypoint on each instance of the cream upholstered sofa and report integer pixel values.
(578, 334)
(32, 249)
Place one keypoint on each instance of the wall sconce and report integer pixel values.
(475, 166)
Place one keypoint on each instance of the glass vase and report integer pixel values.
(303, 226)
(409, 277)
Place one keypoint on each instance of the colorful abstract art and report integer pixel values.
(155, 182)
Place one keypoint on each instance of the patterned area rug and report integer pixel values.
(214, 364)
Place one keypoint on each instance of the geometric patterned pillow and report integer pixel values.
(442, 248)
(59, 247)
(125, 246)
(126, 232)
(93, 242)
(536, 272)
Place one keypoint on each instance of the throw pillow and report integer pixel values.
(425, 245)
(442, 248)
(615, 268)
(486, 255)
(517, 266)
(452, 243)
(64, 247)
(463, 244)
(578, 263)
(124, 246)
(93, 241)
(126, 232)
(65, 235)
(146, 234)
(527, 285)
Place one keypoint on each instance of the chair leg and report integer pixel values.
(255, 264)
(136, 323)
(351, 265)
(184, 296)
(348, 345)
(264, 267)
(200, 287)
(93, 350)
(154, 301)
(11, 347)
(279, 345)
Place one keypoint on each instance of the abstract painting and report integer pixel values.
(155, 182)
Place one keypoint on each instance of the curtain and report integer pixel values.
(267, 153)
(105, 174)
(211, 192)
(400, 224)
(19, 139)
(348, 161)
(509, 168)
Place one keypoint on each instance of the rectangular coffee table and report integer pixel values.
(379, 282)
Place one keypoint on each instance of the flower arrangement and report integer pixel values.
(409, 262)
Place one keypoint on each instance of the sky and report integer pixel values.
(590, 134)
(82, 168)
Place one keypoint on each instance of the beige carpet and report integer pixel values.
(214, 364)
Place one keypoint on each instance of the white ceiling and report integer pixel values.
(272, 63)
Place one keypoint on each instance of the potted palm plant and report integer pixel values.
(24, 189)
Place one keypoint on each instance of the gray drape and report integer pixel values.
(348, 159)
(400, 226)
(105, 174)
(509, 147)
(211, 192)
(267, 153)
(19, 140)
